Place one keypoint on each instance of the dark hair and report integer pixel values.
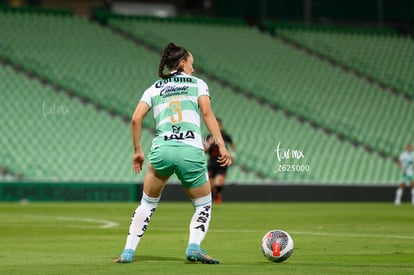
(171, 57)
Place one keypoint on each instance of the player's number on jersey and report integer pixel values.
(177, 117)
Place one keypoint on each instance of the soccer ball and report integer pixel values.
(277, 245)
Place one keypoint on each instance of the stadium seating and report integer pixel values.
(295, 81)
(257, 130)
(388, 58)
(50, 136)
(72, 141)
(79, 55)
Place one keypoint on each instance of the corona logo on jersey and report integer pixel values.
(176, 79)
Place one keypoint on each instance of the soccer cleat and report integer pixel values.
(195, 253)
(126, 256)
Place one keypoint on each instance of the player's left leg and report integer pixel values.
(192, 172)
(153, 186)
(201, 198)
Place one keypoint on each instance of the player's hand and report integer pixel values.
(137, 161)
(224, 159)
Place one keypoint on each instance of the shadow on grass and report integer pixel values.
(150, 258)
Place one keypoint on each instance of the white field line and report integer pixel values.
(111, 224)
(104, 223)
(75, 221)
(407, 237)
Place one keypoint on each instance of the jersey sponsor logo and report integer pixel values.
(175, 79)
(181, 136)
(173, 90)
(176, 129)
(177, 135)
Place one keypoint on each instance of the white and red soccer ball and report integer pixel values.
(277, 245)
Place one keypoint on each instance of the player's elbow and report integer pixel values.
(136, 121)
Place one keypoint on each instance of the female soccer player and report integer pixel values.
(177, 99)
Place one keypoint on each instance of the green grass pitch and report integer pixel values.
(330, 238)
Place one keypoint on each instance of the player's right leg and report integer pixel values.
(192, 172)
(153, 186)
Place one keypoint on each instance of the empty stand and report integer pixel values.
(388, 58)
(45, 142)
(280, 74)
(49, 136)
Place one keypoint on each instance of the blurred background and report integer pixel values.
(316, 94)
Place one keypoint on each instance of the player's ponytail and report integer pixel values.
(163, 61)
(171, 58)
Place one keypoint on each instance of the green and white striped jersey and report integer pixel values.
(174, 102)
